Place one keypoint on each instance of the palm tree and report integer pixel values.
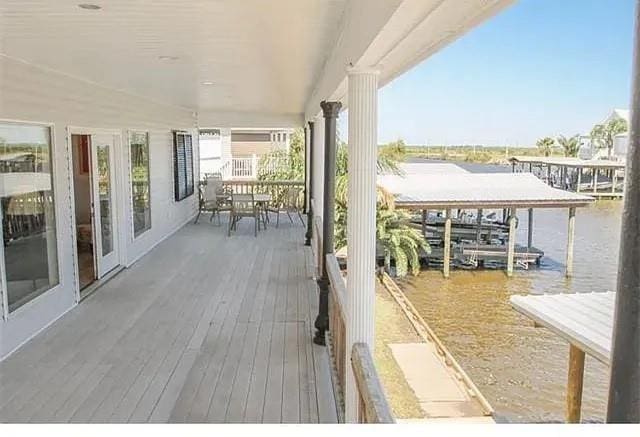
(399, 241)
(602, 135)
(545, 145)
(570, 146)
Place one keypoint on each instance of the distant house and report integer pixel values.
(620, 143)
(234, 153)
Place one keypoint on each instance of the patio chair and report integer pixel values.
(213, 198)
(289, 204)
(244, 205)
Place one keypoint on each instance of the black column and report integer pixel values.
(330, 111)
(624, 385)
(310, 146)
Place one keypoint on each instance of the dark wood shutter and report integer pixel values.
(182, 165)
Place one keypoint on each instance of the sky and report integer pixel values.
(539, 68)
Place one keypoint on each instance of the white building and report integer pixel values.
(235, 153)
(621, 141)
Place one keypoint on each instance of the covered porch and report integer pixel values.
(205, 328)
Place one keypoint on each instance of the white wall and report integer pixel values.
(28, 93)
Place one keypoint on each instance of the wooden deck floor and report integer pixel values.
(205, 328)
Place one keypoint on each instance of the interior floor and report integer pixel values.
(86, 272)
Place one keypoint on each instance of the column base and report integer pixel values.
(322, 320)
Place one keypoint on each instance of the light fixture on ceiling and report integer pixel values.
(89, 6)
(207, 83)
(168, 58)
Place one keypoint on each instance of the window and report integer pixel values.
(182, 165)
(29, 256)
(140, 182)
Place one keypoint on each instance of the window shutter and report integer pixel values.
(183, 165)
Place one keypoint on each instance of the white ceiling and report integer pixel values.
(261, 55)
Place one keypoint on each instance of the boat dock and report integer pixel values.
(441, 201)
(602, 179)
(585, 320)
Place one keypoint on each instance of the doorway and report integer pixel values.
(94, 199)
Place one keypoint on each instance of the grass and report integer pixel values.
(480, 154)
(392, 326)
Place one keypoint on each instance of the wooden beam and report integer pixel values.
(570, 241)
(512, 242)
(447, 244)
(574, 384)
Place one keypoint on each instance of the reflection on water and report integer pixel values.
(522, 370)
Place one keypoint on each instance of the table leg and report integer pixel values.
(574, 384)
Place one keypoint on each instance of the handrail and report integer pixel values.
(337, 281)
(374, 407)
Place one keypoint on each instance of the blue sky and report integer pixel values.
(541, 67)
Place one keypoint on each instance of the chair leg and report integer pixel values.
(301, 219)
(197, 217)
(278, 219)
(290, 219)
(256, 223)
(213, 214)
(219, 221)
(230, 224)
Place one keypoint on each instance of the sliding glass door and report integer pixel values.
(28, 255)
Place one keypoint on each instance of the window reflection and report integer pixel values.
(27, 208)
(140, 189)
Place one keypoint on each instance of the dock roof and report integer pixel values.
(476, 190)
(431, 168)
(567, 162)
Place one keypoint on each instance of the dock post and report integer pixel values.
(570, 239)
(530, 229)
(574, 384)
(595, 180)
(512, 241)
(479, 226)
(614, 181)
(579, 179)
(549, 174)
(446, 258)
(425, 214)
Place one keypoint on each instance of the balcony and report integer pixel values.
(205, 328)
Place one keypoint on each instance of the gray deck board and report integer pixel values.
(204, 328)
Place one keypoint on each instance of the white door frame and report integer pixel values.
(119, 196)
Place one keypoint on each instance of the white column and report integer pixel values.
(361, 220)
(570, 239)
(318, 166)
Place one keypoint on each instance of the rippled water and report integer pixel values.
(522, 370)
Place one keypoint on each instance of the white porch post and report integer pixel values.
(361, 220)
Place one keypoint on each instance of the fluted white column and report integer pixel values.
(361, 220)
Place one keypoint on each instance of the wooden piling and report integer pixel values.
(574, 384)
(447, 244)
(595, 180)
(512, 242)
(425, 214)
(530, 229)
(479, 226)
(579, 180)
(570, 240)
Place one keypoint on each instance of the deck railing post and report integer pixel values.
(309, 184)
(624, 386)
(330, 111)
(530, 229)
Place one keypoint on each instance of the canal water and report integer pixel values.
(522, 370)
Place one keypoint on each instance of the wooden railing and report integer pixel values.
(277, 189)
(373, 406)
(337, 326)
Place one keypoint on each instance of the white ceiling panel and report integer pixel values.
(261, 56)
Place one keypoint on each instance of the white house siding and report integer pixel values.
(32, 94)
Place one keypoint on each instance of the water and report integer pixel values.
(522, 370)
